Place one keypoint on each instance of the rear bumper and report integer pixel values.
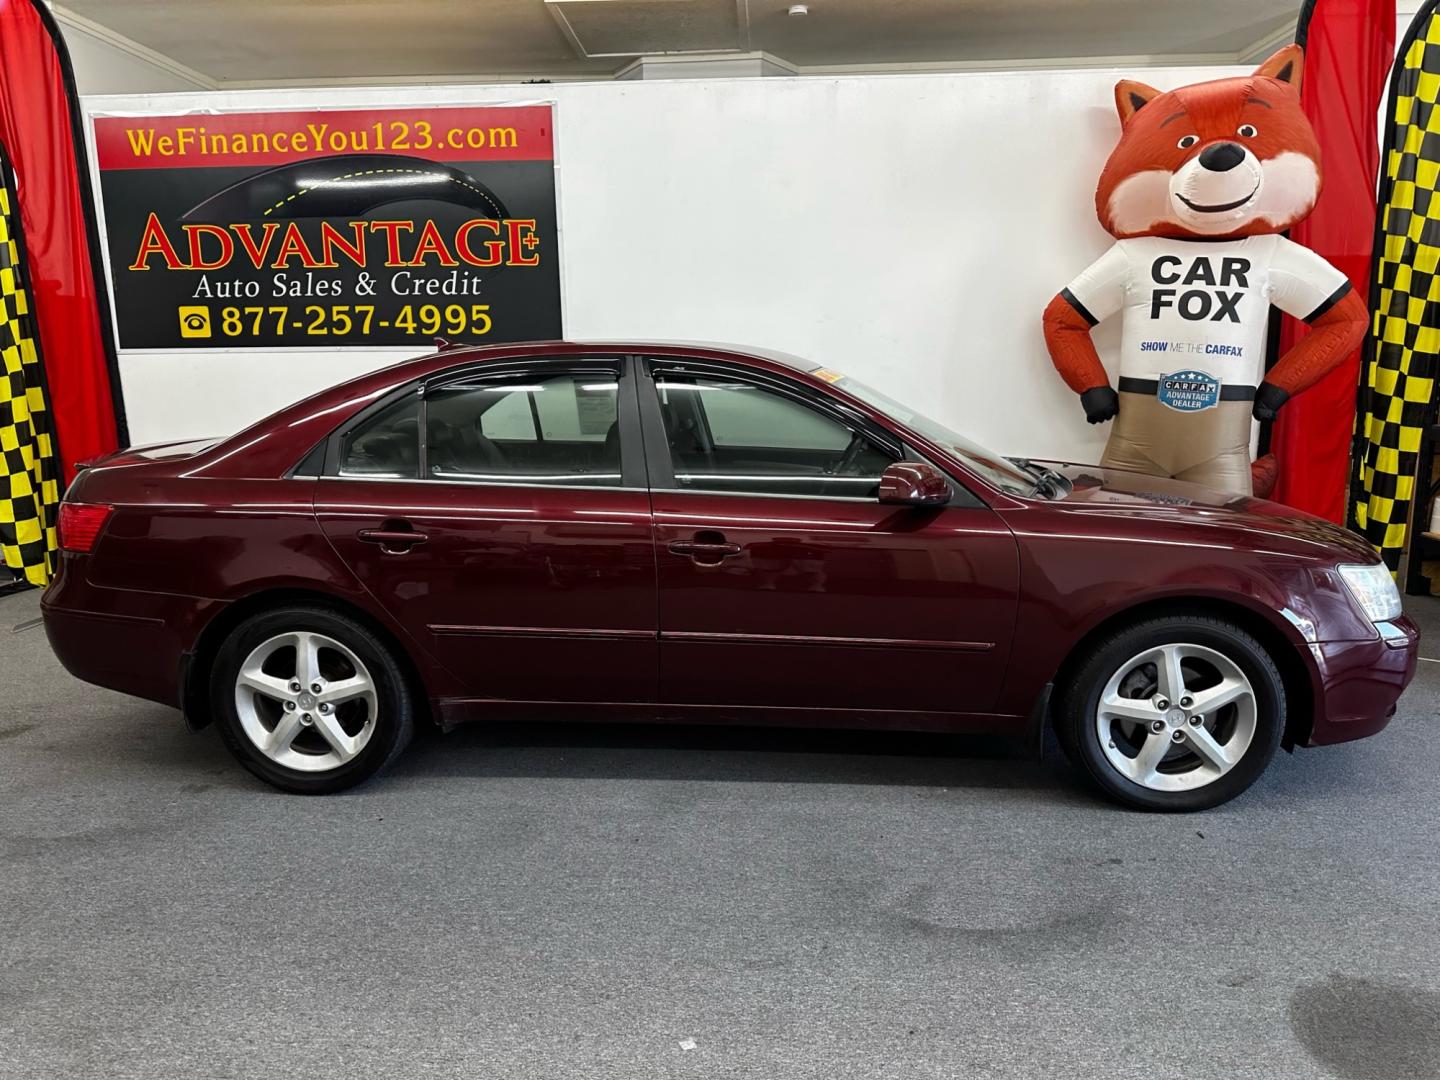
(127, 653)
(1357, 683)
(123, 640)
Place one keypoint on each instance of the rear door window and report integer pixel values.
(557, 426)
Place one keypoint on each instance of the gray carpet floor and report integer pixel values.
(634, 903)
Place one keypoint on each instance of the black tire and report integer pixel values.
(395, 713)
(1079, 702)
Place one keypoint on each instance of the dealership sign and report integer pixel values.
(346, 227)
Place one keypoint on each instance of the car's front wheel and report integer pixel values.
(1174, 713)
(310, 700)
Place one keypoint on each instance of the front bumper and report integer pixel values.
(1357, 683)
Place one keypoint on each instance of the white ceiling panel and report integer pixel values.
(309, 40)
(627, 28)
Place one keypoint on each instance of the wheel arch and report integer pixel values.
(1295, 676)
(198, 664)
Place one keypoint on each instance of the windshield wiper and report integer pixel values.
(1048, 482)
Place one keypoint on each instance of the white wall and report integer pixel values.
(907, 229)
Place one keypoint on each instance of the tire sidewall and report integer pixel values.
(392, 726)
(1083, 701)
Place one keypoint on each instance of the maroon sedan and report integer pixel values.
(693, 533)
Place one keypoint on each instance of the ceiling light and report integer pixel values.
(799, 9)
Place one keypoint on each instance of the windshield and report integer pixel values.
(994, 469)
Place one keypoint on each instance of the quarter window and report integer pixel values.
(386, 445)
(732, 435)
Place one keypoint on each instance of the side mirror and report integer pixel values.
(913, 483)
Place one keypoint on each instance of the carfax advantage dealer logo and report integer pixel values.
(1189, 391)
(348, 227)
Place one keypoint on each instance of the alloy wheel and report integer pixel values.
(1176, 717)
(306, 701)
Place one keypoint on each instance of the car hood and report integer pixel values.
(1123, 493)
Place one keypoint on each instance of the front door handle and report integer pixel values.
(394, 541)
(707, 549)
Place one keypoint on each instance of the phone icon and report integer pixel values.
(195, 322)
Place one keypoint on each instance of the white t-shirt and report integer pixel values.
(1196, 306)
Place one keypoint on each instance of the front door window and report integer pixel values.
(737, 436)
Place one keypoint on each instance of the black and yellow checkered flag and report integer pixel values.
(1401, 353)
(29, 469)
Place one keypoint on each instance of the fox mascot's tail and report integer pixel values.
(1199, 188)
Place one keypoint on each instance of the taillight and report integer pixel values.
(80, 524)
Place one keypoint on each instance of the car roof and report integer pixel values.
(461, 350)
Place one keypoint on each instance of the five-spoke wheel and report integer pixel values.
(1177, 713)
(1176, 717)
(306, 701)
(311, 700)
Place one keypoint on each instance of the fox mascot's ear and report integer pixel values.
(1131, 97)
(1284, 66)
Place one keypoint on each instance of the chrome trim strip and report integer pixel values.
(481, 483)
(697, 637)
(766, 495)
(749, 478)
(456, 630)
(533, 479)
(604, 487)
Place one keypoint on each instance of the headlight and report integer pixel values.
(1374, 590)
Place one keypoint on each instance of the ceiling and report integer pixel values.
(287, 41)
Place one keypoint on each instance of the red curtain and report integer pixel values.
(1349, 48)
(40, 129)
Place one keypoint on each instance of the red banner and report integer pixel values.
(1349, 49)
(202, 140)
(41, 133)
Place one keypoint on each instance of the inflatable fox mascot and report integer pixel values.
(1197, 192)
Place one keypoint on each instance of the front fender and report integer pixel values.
(1075, 581)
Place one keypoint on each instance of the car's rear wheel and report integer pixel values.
(1176, 713)
(310, 700)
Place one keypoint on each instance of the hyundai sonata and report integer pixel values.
(706, 534)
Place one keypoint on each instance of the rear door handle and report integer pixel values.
(704, 551)
(394, 541)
